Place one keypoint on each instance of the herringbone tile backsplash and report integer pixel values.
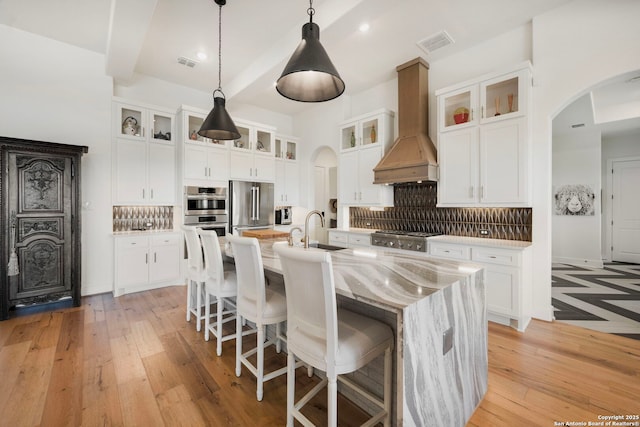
(415, 210)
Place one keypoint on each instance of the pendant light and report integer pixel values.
(310, 75)
(218, 125)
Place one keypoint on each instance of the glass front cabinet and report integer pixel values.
(484, 101)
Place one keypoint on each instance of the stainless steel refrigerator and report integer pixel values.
(250, 206)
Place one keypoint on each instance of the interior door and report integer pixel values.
(626, 212)
(40, 196)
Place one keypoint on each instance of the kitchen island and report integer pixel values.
(437, 311)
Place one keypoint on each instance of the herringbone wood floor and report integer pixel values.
(134, 360)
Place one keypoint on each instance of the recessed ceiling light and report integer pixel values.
(201, 56)
(364, 27)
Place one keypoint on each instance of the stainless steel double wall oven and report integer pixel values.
(206, 207)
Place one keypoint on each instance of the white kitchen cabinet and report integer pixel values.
(349, 239)
(485, 158)
(485, 165)
(363, 142)
(144, 262)
(204, 164)
(287, 183)
(252, 157)
(203, 161)
(507, 277)
(144, 159)
(287, 171)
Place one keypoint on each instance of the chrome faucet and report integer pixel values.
(306, 225)
(290, 238)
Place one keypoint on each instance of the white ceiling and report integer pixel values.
(258, 36)
(612, 107)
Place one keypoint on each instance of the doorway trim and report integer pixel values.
(608, 212)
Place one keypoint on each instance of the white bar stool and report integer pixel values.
(221, 285)
(195, 275)
(333, 340)
(258, 304)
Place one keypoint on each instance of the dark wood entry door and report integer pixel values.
(41, 222)
(40, 198)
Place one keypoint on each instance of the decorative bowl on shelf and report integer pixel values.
(461, 115)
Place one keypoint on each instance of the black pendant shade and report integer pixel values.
(310, 75)
(218, 124)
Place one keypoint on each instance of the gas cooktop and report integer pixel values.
(408, 240)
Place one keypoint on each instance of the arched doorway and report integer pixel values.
(325, 188)
(596, 145)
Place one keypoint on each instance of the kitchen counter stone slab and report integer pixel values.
(437, 310)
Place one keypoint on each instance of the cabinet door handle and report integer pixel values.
(146, 258)
(482, 112)
(471, 192)
(355, 195)
(151, 193)
(493, 257)
(143, 193)
(155, 257)
(471, 115)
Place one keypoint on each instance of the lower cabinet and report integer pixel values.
(507, 278)
(347, 239)
(146, 262)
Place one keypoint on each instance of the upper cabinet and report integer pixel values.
(252, 156)
(363, 142)
(287, 171)
(135, 122)
(370, 130)
(479, 102)
(484, 141)
(143, 155)
(203, 162)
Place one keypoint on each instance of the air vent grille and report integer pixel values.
(435, 42)
(186, 61)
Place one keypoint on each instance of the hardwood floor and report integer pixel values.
(134, 360)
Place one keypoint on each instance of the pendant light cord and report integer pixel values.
(220, 49)
(311, 11)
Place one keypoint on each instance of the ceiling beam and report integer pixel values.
(128, 26)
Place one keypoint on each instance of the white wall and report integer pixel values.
(51, 91)
(575, 47)
(577, 160)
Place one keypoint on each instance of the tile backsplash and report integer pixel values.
(127, 218)
(415, 210)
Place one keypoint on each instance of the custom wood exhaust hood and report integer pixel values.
(412, 157)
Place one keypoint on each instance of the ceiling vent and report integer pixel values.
(186, 61)
(435, 42)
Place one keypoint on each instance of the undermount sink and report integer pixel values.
(325, 247)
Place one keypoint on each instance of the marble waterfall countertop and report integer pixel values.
(439, 316)
(388, 279)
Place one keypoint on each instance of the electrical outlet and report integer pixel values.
(484, 232)
(447, 340)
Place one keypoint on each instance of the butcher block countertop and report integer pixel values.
(265, 234)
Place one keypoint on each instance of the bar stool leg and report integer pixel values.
(220, 307)
(207, 316)
(332, 401)
(198, 305)
(278, 338)
(291, 383)
(259, 392)
(239, 320)
(189, 296)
